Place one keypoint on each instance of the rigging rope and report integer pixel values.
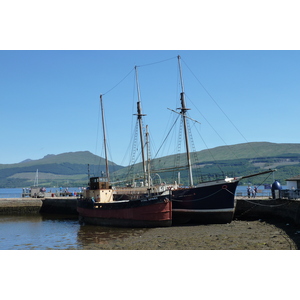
(166, 137)
(270, 205)
(209, 150)
(216, 103)
(174, 200)
(212, 129)
(118, 82)
(158, 62)
(245, 198)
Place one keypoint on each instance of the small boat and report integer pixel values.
(97, 205)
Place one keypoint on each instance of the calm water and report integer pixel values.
(45, 232)
(55, 232)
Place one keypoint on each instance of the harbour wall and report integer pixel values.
(257, 208)
(20, 206)
(285, 209)
(55, 205)
(66, 205)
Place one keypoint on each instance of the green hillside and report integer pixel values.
(55, 170)
(232, 161)
(70, 169)
(81, 157)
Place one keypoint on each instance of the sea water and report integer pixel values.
(53, 231)
(56, 232)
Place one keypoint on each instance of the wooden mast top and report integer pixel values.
(183, 113)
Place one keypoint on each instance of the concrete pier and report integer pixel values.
(57, 205)
(20, 205)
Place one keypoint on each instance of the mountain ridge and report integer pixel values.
(236, 160)
(80, 157)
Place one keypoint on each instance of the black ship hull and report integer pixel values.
(211, 202)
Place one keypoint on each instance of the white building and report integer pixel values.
(293, 183)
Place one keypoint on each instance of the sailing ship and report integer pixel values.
(97, 205)
(206, 202)
(145, 187)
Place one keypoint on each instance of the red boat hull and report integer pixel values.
(141, 213)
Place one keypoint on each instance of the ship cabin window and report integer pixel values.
(97, 183)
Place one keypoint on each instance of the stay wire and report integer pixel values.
(210, 152)
(144, 65)
(166, 137)
(119, 82)
(216, 103)
(158, 62)
(212, 129)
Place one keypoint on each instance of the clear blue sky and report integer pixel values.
(50, 99)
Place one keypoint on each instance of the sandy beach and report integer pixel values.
(238, 235)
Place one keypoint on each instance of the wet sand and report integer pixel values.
(238, 235)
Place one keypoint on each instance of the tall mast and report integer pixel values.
(183, 113)
(36, 180)
(148, 160)
(104, 139)
(140, 115)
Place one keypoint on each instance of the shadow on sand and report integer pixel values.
(291, 229)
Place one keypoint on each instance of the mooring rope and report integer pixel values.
(270, 205)
(199, 199)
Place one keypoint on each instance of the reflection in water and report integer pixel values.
(91, 237)
(37, 232)
(45, 232)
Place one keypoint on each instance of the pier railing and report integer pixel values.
(260, 194)
(289, 194)
(277, 194)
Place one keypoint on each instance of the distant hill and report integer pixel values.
(70, 169)
(232, 161)
(54, 170)
(26, 160)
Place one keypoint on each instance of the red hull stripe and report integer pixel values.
(154, 212)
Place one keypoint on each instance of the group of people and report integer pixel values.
(251, 191)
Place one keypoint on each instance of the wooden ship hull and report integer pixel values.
(152, 212)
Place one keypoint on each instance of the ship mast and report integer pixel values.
(183, 113)
(148, 161)
(104, 139)
(36, 180)
(139, 116)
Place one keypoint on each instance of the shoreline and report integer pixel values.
(237, 235)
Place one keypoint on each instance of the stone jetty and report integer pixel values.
(56, 205)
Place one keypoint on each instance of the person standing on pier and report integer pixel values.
(249, 190)
(254, 191)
